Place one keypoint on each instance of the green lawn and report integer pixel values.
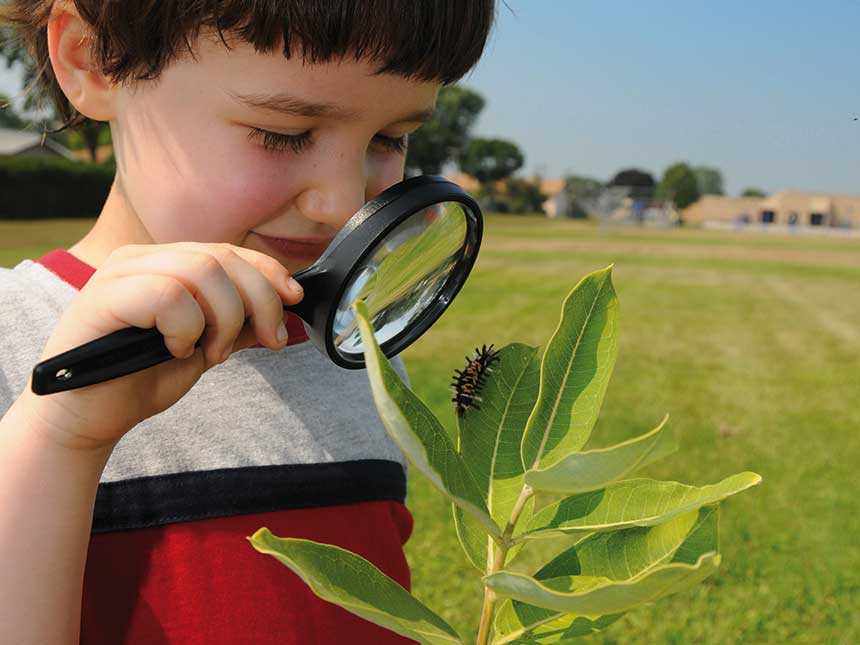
(751, 343)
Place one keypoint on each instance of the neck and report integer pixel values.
(116, 226)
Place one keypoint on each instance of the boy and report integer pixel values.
(246, 134)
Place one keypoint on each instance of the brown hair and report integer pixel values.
(136, 39)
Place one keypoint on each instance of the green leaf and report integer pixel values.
(585, 471)
(595, 596)
(624, 554)
(619, 555)
(633, 502)
(350, 581)
(418, 432)
(575, 371)
(475, 542)
(490, 436)
(556, 628)
(489, 441)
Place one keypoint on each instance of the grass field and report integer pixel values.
(752, 344)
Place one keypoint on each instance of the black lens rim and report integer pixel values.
(366, 229)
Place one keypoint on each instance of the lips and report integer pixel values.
(304, 248)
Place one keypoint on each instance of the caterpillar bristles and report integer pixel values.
(467, 382)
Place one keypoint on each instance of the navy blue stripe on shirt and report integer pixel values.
(188, 496)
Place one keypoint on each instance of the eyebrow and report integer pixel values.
(288, 105)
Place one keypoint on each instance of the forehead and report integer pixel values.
(351, 88)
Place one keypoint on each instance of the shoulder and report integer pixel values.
(31, 302)
(29, 292)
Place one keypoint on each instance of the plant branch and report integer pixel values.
(498, 564)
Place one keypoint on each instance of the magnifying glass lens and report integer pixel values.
(403, 275)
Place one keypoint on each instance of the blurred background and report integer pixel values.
(711, 152)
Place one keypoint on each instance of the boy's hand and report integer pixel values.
(186, 290)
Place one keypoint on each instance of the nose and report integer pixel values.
(334, 196)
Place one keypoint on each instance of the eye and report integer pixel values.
(392, 144)
(277, 142)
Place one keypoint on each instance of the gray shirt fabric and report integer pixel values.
(260, 407)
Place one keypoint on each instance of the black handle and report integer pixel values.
(133, 349)
(125, 351)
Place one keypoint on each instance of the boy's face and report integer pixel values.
(191, 169)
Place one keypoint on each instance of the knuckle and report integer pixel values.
(222, 251)
(205, 264)
(169, 292)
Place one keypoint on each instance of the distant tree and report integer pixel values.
(89, 135)
(524, 196)
(753, 192)
(678, 185)
(12, 50)
(443, 138)
(9, 118)
(581, 192)
(709, 180)
(489, 160)
(640, 184)
(633, 177)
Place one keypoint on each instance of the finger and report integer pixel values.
(206, 279)
(246, 339)
(290, 291)
(256, 276)
(263, 305)
(144, 301)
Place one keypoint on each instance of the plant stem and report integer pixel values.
(490, 597)
(498, 564)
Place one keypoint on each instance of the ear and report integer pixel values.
(69, 47)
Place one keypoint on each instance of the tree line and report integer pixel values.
(444, 141)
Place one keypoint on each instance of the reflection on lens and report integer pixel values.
(404, 275)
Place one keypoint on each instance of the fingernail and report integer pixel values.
(295, 286)
(282, 333)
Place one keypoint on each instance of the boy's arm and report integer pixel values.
(47, 494)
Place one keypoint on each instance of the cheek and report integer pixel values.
(385, 172)
(212, 192)
(245, 196)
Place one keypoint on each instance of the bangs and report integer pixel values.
(428, 40)
(423, 40)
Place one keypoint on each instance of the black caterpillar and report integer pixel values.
(467, 383)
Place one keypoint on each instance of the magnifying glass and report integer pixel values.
(406, 254)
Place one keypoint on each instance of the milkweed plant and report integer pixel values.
(522, 422)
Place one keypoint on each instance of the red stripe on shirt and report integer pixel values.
(202, 583)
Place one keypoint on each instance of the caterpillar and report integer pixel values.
(467, 383)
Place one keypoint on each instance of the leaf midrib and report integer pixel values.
(499, 437)
(548, 429)
(685, 507)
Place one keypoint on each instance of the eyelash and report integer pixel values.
(276, 142)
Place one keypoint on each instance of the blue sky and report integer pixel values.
(766, 91)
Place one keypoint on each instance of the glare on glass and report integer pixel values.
(405, 273)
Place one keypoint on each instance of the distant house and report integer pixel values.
(29, 143)
(726, 210)
(464, 181)
(786, 208)
(557, 202)
(556, 205)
